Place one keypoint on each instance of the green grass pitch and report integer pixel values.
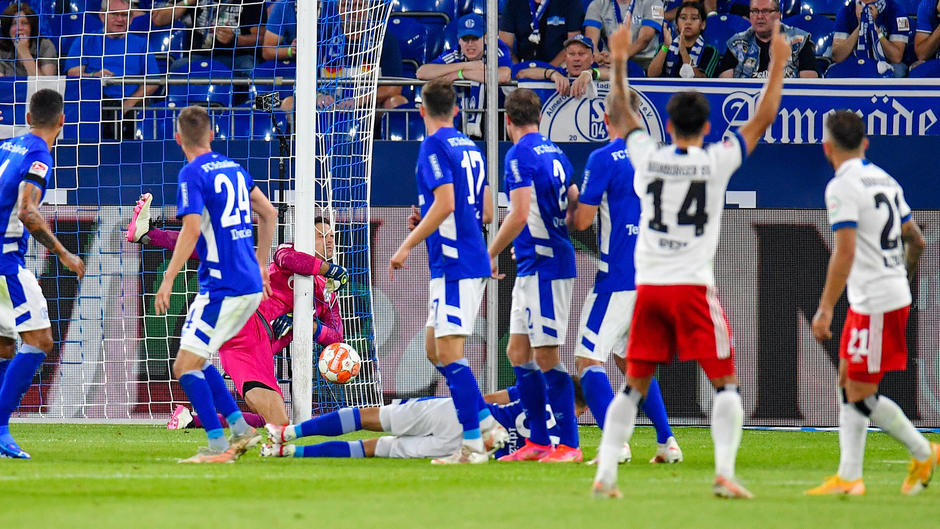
(126, 476)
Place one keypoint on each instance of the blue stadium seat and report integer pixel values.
(445, 9)
(450, 37)
(168, 45)
(248, 123)
(402, 126)
(789, 8)
(635, 70)
(74, 26)
(819, 28)
(202, 94)
(157, 124)
(473, 6)
(271, 70)
(412, 37)
(926, 69)
(720, 28)
(853, 68)
(822, 7)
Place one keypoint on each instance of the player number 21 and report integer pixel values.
(473, 160)
(232, 215)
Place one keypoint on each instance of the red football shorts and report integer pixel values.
(247, 357)
(873, 344)
(679, 319)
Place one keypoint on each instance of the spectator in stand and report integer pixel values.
(748, 52)
(872, 29)
(114, 54)
(536, 30)
(468, 62)
(927, 39)
(579, 65)
(22, 51)
(686, 55)
(226, 32)
(280, 36)
(605, 16)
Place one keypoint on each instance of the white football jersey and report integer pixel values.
(683, 196)
(864, 197)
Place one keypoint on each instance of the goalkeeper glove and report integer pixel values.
(337, 273)
(282, 325)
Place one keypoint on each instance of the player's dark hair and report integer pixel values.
(193, 125)
(320, 219)
(439, 99)
(45, 107)
(845, 130)
(579, 400)
(698, 6)
(523, 107)
(688, 111)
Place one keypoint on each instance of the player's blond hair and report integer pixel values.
(194, 126)
(617, 109)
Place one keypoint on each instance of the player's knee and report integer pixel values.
(41, 339)
(581, 363)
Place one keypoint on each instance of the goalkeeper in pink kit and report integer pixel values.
(248, 358)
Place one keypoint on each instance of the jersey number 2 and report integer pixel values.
(691, 213)
(232, 215)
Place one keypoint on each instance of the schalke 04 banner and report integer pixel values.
(888, 107)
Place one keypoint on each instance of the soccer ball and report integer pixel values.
(339, 363)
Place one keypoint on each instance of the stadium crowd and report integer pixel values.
(563, 41)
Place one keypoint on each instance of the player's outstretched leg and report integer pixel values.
(243, 436)
(335, 423)
(140, 221)
(667, 449)
(561, 398)
(853, 429)
(618, 429)
(16, 381)
(352, 449)
(493, 434)
(888, 416)
(727, 422)
(466, 396)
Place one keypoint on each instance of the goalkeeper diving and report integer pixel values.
(248, 358)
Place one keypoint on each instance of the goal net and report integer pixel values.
(113, 355)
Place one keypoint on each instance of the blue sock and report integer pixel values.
(561, 397)
(17, 379)
(200, 396)
(532, 393)
(466, 396)
(224, 402)
(332, 449)
(336, 423)
(4, 363)
(597, 392)
(655, 409)
(484, 410)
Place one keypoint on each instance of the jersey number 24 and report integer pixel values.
(233, 213)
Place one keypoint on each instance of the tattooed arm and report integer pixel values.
(29, 215)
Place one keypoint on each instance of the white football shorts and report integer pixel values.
(420, 428)
(540, 309)
(453, 305)
(605, 324)
(22, 305)
(210, 324)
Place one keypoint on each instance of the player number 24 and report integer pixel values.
(233, 215)
(691, 213)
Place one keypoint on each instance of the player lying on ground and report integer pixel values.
(682, 189)
(869, 257)
(248, 358)
(605, 318)
(25, 163)
(420, 428)
(215, 201)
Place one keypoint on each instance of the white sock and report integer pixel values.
(487, 423)
(618, 429)
(888, 416)
(853, 429)
(727, 419)
(475, 444)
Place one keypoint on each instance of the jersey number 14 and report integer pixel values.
(691, 213)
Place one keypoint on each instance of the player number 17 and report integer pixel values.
(473, 160)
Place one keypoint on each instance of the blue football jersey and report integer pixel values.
(457, 249)
(608, 184)
(513, 418)
(543, 247)
(23, 159)
(218, 190)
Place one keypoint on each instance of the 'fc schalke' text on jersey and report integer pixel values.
(218, 190)
(682, 192)
(23, 159)
(543, 247)
(608, 184)
(864, 197)
(457, 249)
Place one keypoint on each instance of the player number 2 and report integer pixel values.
(473, 160)
(232, 215)
(887, 241)
(559, 170)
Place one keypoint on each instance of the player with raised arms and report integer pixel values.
(455, 199)
(682, 192)
(25, 165)
(215, 200)
(870, 218)
(248, 358)
(607, 189)
(420, 428)
(538, 180)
